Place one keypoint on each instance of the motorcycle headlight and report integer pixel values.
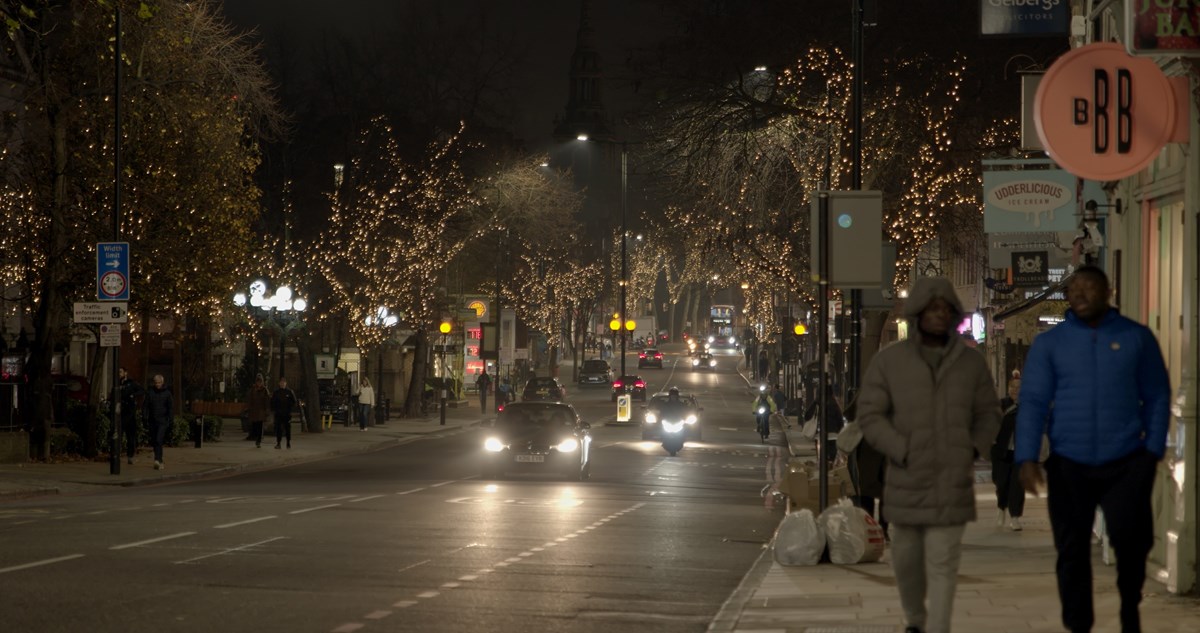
(568, 445)
(695, 361)
(762, 410)
(651, 418)
(712, 363)
(691, 419)
(493, 445)
(672, 427)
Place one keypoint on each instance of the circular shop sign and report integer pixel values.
(1103, 114)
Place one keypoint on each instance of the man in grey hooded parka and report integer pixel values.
(928, 403)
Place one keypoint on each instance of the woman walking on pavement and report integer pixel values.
(777, 456)
(1010, 494)
(258, 405)
(366, 403)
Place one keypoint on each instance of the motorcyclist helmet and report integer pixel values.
(673, 393)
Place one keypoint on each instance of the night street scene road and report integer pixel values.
(846, 316)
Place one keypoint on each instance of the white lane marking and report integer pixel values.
(608, 445)
(404, 604)
(365, 498)
(92, 514)
(348, 628)
(48, 561)
(502, 564)
(24, 522)
(468, 578)
(377, 615)
(229, 551)
(65, 516)
(429, 594)
(224, 499)
(727, 428)
(409, 492)
(537, 549)
(450, 585)
(551, 544)
(525, 554)
(328, 505)
(159, 505)
(402, 570)
(560, 540)
(485, 571)
(153, 540)
(187, 501)
(514, 559)
(341, 498)
(443, 483)
(237, 523)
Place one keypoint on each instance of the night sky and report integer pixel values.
(546, 29)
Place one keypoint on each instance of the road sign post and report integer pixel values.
(112, 271)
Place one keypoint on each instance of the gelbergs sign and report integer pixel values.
(1024, 17)
(1103, 114)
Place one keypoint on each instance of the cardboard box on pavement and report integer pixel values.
(802, 486)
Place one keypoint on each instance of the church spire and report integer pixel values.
(585, 113)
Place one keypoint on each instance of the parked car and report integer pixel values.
(652, 417)
(704, 360)
(537, 436)
(650, 357)
(632, 385)
(595, 372)
(548, 389)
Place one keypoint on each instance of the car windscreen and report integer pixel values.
(523, 420)
(543, 383)
(595, 366)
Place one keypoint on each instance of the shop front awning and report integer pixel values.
(1029, 302)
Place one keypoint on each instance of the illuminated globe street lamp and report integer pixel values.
(281, 310)
(444, 328)
(616, 326)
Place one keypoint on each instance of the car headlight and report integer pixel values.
(672, 427)
(732, 340)
(691, 419)
(493, 445)
(651, 418)
(695, 361)
(712, 363)
(568, 445)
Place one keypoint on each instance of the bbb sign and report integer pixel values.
(1103, 114)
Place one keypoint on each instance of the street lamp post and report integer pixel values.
(444, 328)
(383, 318)
(281, 309)
(617, 324)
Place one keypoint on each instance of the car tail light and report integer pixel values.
(616, 384)
(658, 356)
(641, 384)
(641, 354)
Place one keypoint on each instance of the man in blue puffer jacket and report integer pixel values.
(1096, 384)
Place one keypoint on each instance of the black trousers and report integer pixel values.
(1122, 489)
(1010, 494)
(283, 428)
(256, 431)
(129, 428)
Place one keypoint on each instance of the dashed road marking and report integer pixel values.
(247, 521)
(365, 498)
(409, 492)
(377, 615)
(429, 594)
(328, 505)
(152, 540)
(48, 561)
(229, 551)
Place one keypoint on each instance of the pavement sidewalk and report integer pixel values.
(1006, 584)
(230, 455)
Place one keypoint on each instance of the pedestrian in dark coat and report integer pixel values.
(1010, 495)
(258, 408)
(160, 416)
(283, 402)
(130, 392)
(483, 382)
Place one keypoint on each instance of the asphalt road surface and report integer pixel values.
(412, 539)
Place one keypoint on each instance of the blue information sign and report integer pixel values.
(112, 271)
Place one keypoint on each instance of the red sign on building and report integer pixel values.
(1164, 27)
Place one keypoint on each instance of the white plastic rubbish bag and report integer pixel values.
(799, 540)
(852, 534)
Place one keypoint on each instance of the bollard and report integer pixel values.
(198, 431)
(442, 407)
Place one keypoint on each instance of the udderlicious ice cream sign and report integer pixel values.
(1028, 200)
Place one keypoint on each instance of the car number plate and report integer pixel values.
(531, 458)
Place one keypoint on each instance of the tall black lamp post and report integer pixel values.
(281, 309)
(383, 318)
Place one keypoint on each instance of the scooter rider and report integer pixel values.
(763, 407)
(672, 412)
